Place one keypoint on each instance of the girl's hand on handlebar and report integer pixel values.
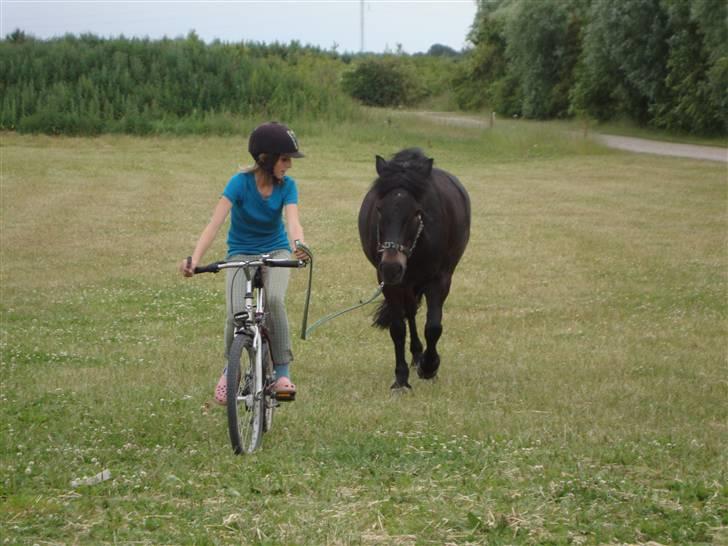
(187, 267)
(300, 253)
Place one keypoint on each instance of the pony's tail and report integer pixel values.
(383, 316)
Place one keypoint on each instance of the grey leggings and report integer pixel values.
(275, 280)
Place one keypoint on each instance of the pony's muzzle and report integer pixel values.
(392, 267)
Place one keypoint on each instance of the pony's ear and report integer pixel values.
(428, 166)
(381, 163)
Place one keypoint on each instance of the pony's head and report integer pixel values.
(402, 183)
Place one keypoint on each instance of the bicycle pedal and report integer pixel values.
(285, 396)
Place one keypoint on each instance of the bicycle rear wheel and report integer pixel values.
(245, 406)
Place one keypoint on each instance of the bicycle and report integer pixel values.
(250, 401)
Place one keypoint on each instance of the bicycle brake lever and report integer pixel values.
(304, 247)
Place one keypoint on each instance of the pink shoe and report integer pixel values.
(284, 389)
(221, 390)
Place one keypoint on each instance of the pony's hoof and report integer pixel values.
(428, 370)
(398, 387)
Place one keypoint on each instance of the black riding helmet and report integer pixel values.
(273, 138)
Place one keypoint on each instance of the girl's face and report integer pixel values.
(282, 165)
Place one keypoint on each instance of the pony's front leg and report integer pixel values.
(401, 372)
(415, 343)
(435, 295)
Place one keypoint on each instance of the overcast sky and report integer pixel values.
(415, 24)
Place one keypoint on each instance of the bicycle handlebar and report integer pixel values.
(264, 260)
(211, 268)
(270, 262)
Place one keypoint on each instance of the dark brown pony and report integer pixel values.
(414, 225)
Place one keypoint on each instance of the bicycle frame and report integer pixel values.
(250, 321)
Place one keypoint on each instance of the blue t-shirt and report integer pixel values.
(256, 223)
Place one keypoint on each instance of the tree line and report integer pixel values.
(88, 85)
(662, 63)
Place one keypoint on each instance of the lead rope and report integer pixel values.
(308, 252)
(305, 330)
(305, 333)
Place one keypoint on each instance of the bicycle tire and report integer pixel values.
(245, 411)
(270, 400)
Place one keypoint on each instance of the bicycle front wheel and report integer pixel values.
(245, 406)
(270, 403)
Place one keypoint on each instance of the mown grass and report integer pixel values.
(582, 397)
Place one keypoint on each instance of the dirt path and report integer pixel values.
(644, 146)
(630, 144)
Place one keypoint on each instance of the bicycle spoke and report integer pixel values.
(245, 408)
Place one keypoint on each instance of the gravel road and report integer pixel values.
(644, 146)
(630, 144)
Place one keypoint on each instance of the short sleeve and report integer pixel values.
(291, 194)
(234, 189)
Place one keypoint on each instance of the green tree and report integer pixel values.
(482, 78)
(543, 40)
(689, 104)
(440, 50)
(624, 63)
(711, 16)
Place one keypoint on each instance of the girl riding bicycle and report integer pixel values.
(258, 198)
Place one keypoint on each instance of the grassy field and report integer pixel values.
(582, 395)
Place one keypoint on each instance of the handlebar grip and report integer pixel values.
(211, 268)
(283, 263)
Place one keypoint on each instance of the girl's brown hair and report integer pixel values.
(264, 162)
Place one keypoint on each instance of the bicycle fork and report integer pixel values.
(246, 325)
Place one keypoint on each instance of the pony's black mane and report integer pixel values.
(409, 170)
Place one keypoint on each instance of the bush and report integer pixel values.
(377, 83)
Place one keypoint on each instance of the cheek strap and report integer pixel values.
(382, 246)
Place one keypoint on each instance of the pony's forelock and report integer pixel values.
(409, 170)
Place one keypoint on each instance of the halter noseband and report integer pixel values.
(390, 245)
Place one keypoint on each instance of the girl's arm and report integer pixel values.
(295, 229)
(222, 209)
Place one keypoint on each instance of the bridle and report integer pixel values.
(391, 245)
